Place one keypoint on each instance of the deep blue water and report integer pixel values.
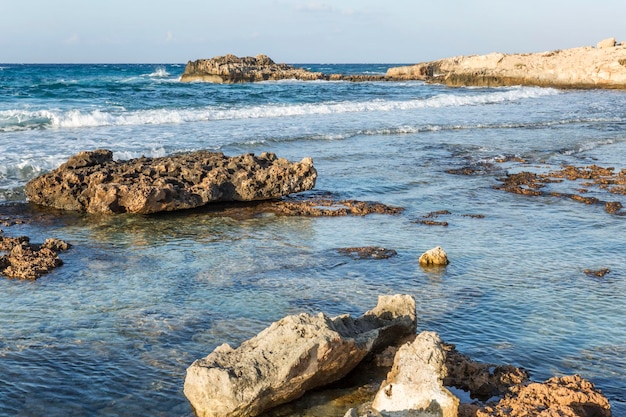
(140, 297)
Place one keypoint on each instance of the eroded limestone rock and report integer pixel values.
(567, 396)
(95, 183)
(230, 69)
(415, 383)
(586, 67)
(24, 260)
(434, 257)
(293, 355)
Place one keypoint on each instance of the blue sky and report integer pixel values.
(298, 31)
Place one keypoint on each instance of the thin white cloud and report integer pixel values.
(314, 6)
(73, 39)
(323, 7)
(169, 36)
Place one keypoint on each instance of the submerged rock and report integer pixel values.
(328, 207)
(368, 252)
(295, 354)
(600, 273)
(605, 179)
(95, 183)
(585, 67)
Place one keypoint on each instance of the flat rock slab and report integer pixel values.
(93, 182)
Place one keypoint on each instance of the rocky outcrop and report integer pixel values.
(587, 67)
(95, 183)
(434, 257)
(293, 355)
(417, 386)
(24, 260)
(415, 383)
(230, 69)
(567, 396)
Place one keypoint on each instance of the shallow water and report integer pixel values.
(112, 331)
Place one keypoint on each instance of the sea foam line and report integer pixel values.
(11, 120)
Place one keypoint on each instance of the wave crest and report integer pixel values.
(11, 120)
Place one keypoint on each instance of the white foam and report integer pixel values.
(12, 120)
(27, 119)
(159, 72)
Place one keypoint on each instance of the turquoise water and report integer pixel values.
(139, 298)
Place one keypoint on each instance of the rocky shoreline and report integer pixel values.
(398, 372)
(416, 373)
(231, 69)
(602, 66)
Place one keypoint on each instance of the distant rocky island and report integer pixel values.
(230, 69)
(602, 66)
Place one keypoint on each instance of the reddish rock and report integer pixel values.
(567, 396)
(481, 380)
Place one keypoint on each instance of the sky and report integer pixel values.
(297, 31)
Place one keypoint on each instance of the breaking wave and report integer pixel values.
(15, 120)
(159, 72)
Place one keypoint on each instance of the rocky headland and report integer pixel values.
(393, 372)
(231, 69)
(93, 182)
(602, 66)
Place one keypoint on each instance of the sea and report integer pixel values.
(140, 297)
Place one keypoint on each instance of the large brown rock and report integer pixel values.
(231, 69)
(95, 183)
(585, 67)
(293, 355)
